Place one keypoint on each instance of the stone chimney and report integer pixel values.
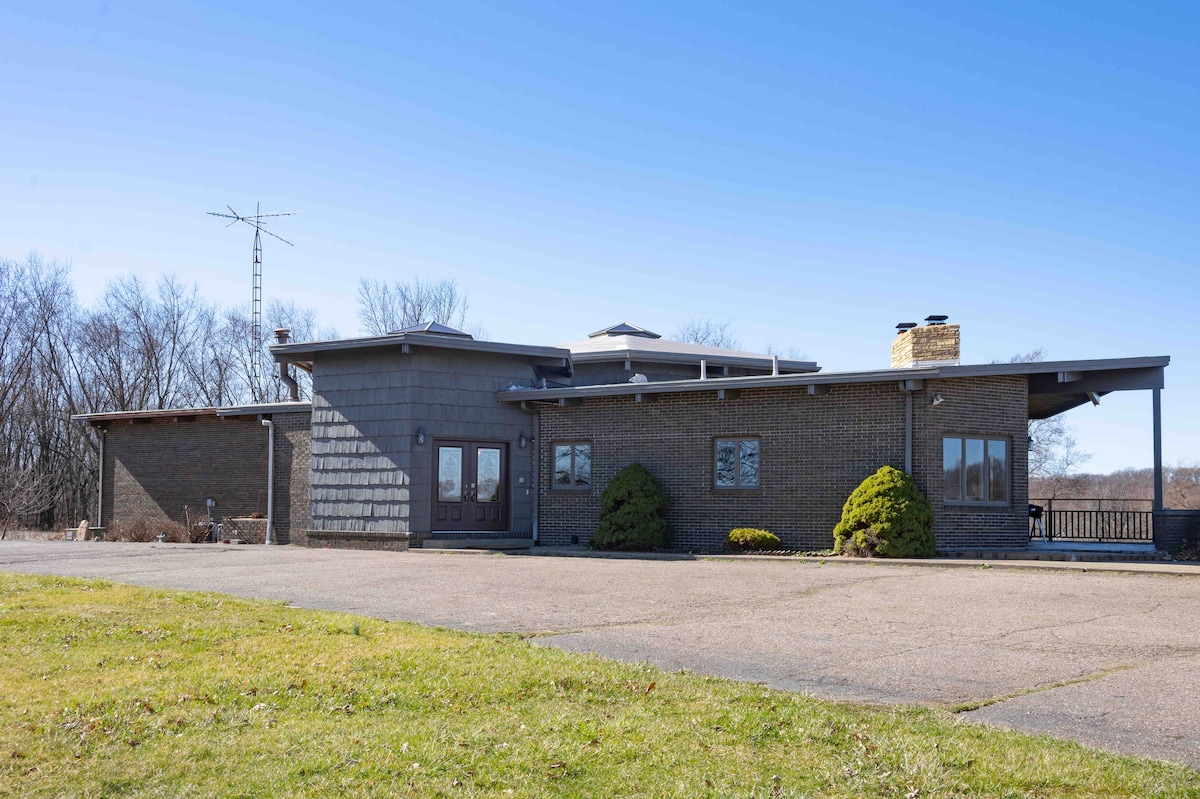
(935, 344)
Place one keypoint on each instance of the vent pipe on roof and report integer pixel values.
(283, 335)
(703, 369)
(775, 366)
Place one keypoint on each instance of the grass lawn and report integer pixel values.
(108, 690)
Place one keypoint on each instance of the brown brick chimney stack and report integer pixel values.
(935, 344)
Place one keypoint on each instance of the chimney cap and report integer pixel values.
(282, 335)
(904, 327)
(936, 319)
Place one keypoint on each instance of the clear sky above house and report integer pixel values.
(814, 175)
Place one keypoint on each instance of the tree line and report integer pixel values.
(143, 346)
(140, 346)
(160, 345)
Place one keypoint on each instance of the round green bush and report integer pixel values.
(886, 516)
(631, 509)
(750, 539)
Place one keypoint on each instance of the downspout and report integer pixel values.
(267, 423)
(537, 482)
(100, 483)
(535, 445)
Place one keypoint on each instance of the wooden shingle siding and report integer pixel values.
(369, 474)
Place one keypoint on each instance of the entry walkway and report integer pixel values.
(1118, 640)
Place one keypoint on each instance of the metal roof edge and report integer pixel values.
(300, 349)
(832, 378)
(167, 413)
(265, 407)
(713, 384)
(1036, 367)
(653, 356)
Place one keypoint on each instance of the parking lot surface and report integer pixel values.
(1108, 658)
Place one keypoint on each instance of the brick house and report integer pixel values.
(428, 435)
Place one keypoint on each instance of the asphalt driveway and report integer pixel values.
(1108, 658)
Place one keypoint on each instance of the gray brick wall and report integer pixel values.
(1174, 527)
(995, 407)
(293, 467)
(814, 451)
(153, 469)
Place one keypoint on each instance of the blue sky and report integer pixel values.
(814, 174)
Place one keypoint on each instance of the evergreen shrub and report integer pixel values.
(749, 539)
(631, 509)
(886, 516)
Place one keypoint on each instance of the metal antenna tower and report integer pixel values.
(255, 221)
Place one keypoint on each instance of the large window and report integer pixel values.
(736, 463)
(975, 470)
(573, 466)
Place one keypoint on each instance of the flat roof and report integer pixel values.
(632, 347)
(305, 351)
(1054, 386)
(176, 413)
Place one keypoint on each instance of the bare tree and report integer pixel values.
(384, 308)
(1054, 456)
(138, 348)
(709, 333)
(25, 493)
(17, 333)
(791, 353)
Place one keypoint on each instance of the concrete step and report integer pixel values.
(477, 543)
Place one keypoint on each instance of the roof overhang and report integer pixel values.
(814, 380)
(1054, 386)
(1059, 386)
(304, 353)
(635, 355)
(227, 412)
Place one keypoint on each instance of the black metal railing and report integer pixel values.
(1093, 520)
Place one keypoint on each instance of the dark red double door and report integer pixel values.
(470, 490)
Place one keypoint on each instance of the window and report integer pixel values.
(572, 465)
(736, 463)
(975, 470)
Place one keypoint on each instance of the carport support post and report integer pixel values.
(1158, 477)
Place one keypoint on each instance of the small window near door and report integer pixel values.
(736, 463)
(975, 471)
(573, 466)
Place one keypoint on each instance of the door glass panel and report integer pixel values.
(975, 469)
(449, 474)
(487, 475)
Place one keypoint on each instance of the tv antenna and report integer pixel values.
(255, 221)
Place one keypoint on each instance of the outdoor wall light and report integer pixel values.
(420, 435)
(522, 441)
(936, 399)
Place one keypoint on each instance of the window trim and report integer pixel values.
(986, 438)
(554, 484)
(737, 440)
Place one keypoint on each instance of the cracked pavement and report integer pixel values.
(1108, 658)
